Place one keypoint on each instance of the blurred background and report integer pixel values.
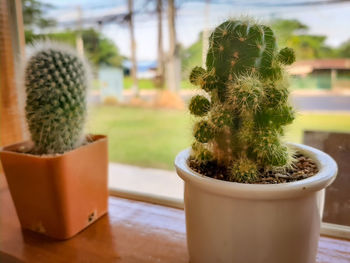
(142, 52)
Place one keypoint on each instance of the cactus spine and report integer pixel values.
(241, 123)
(56, 81)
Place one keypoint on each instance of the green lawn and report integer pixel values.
(144, 137)
(152, 137)
(317, 122)
(147, 84)
(143, 83)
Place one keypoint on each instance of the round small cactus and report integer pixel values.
(287, 56)
(241, 125)
(201, 153)
(56, 83)
(203, 131)
(196, 75)
(243, 170)
(209, 82)
(199, 105)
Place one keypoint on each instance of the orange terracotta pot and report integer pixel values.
(58, 195)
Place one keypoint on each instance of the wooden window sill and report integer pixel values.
(132, 231)
(166, 188)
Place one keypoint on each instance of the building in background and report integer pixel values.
(324, 74)
(145, 69)
(110, 83)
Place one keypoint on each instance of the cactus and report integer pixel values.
(56, 81)
(241, 125)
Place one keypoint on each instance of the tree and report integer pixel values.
(191, 56)
(293, 33)
(309, 46)
(290, 33)
(344, 50)
(100, 50)
(173, 76)
(130, 19)
(205, 38)
(33, 15)
(160, 66)
(285, 29)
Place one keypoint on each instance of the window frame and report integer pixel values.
(15, 32)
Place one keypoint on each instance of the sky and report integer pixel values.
(332, 20)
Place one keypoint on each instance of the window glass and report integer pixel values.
(142, 53)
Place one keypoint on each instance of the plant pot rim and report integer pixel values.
(11, 148)
(327, 172)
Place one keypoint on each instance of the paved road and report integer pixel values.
(301, 102)
(328, 103)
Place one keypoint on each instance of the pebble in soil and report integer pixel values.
(302, 168)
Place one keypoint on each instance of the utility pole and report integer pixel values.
(160, 66)
(79, 39)
(173, 67)
(134, 87)
(205, 36)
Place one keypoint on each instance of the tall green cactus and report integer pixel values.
(242, 118)
(56, 81)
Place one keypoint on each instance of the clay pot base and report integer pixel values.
(304, 167)
(58, 195)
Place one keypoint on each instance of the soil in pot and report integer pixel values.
(302, 168)
(28, 147)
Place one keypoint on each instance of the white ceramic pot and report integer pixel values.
(253, 223)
